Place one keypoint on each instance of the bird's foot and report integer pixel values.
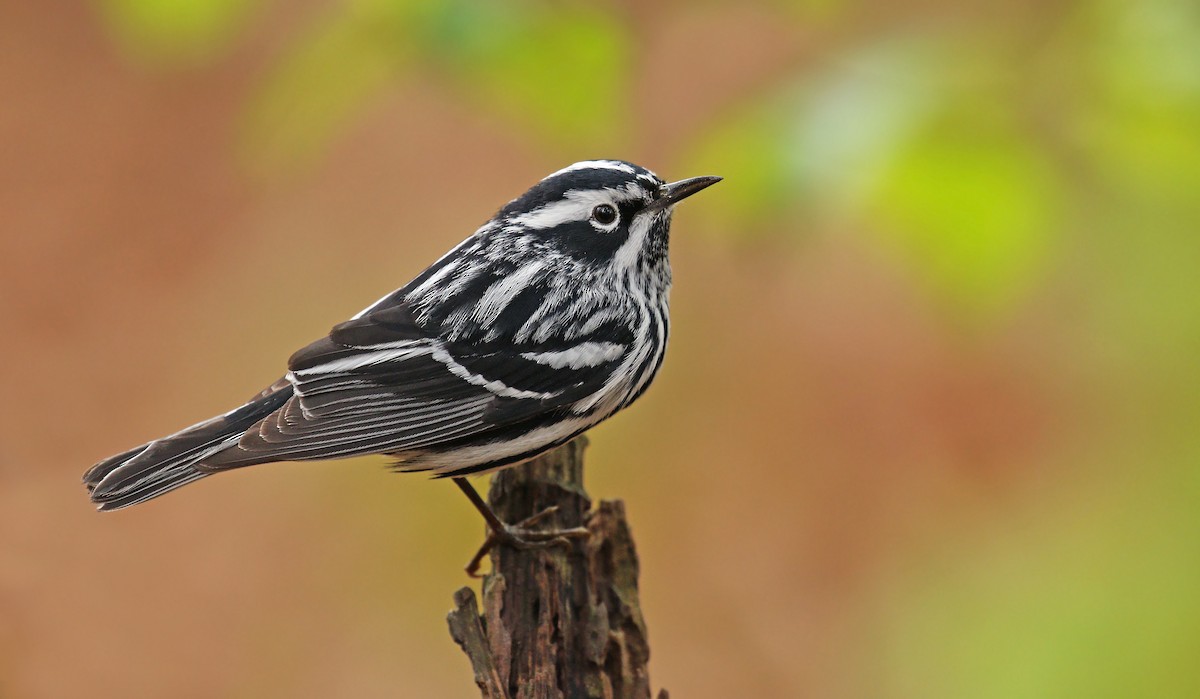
(520, 536)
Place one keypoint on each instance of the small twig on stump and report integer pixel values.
(560, 622)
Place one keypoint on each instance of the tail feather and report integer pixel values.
(147, 490)
(165, 464)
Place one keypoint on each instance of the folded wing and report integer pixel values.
(378, 384)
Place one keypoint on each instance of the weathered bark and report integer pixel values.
(563, 622)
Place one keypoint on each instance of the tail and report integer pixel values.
(165, 464)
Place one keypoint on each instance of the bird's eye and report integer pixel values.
(604, 214)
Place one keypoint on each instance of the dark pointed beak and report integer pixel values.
(675, 192)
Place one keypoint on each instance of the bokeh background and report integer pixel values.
(929, 423)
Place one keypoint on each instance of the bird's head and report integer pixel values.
(601, 212)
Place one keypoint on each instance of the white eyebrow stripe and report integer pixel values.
(552, 215)
(576, 205)
(593, 165)
(582, 355)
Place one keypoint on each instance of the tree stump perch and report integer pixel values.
(562, 622)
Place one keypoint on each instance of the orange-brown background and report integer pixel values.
(928, 426)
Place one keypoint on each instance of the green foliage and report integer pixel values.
(914, 137)
(1088, 593)
(325, 79)
(973, 215)
(1143, 75)
(816, 146)
(561, 73)
(918, 138)
(175, 32)
(749, 154)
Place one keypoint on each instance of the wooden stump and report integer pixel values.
(562, 622)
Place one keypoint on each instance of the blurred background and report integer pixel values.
(928, 426)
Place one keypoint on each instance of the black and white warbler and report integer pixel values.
(547, 320)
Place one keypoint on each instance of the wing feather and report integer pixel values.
(380, 384)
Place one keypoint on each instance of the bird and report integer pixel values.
(550, 318)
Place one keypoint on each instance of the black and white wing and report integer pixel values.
(382, 384)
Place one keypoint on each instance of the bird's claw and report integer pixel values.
(520, 536)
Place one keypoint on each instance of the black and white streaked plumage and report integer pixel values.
(548, 319)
